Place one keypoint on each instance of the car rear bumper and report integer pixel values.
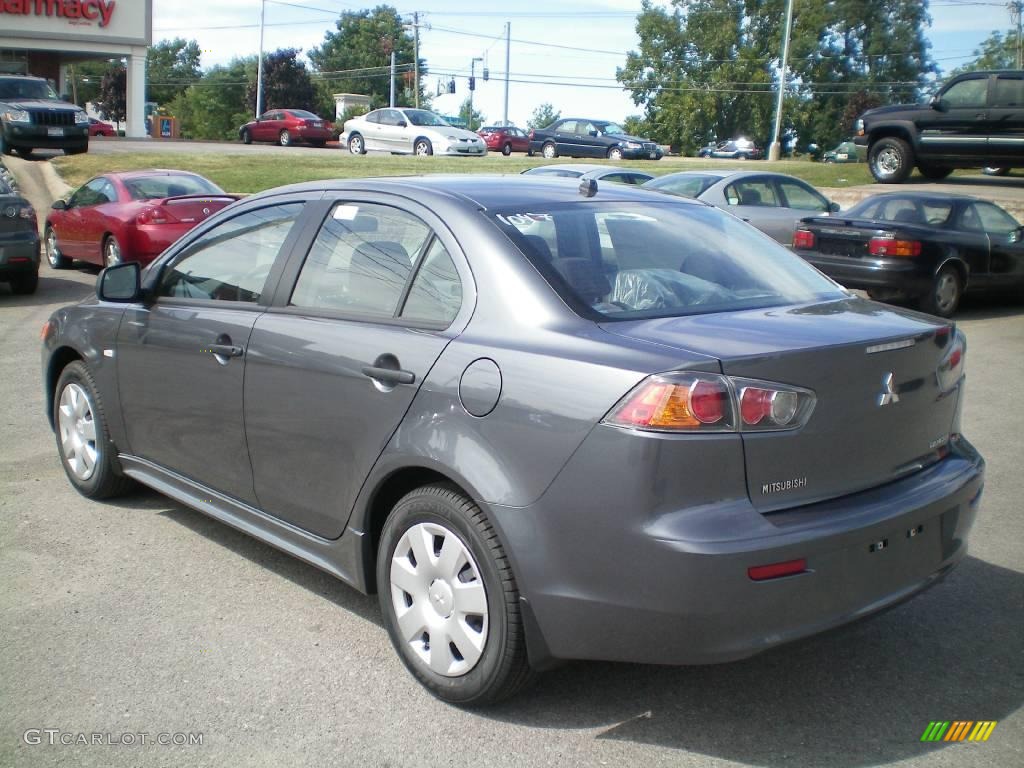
(662, 589)
(150, 240)
(906, 276)
(19, 253)
(313, 134)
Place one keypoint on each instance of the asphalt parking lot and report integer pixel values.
(144, 617)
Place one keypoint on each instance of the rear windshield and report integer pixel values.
(159, 187)
(623, 261)
(906, 210)
(688, 185)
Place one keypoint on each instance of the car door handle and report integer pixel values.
(389, 375)
(225, 350)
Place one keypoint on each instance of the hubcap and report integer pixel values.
(439, 599)
(888, 161)
(356, 145)
(51, 247)
(113, 252)
(421, 148)
(77, 431)
(549, 151)
(945, 292)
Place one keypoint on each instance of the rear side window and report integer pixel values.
(1009, 92)
(231, 262)
(752, 192)
(436, 292)
(801, 198)
(361, 260)
(630, 260)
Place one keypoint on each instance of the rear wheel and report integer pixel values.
(945, 294)
(112, 255)
(246, 137)
(449, 599)
(890, 160)
(506, 149)
(356, 145)
(25, 152)
(423, 147)
(549, 151)
(24, 285)
(53, 255)
(934, 172)
(88, 456)
(284, 139)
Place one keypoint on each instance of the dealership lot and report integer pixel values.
(143, 617)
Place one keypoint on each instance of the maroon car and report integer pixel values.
(287, 126)
(505, 139)
(99, 128)
(131, 216)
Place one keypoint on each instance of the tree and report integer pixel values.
(216, 106)
(473, 118)
(636, 125)
(171, 67)
(997, 51)
(84, 79)
(543, 116)
(286, 83)
(112, 101)
(357, 57)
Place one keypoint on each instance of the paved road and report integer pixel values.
(142, 616)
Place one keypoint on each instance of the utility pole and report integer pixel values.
(472, 87)
(508, 41)
(775, 151)
(416, 55)
(392, 103)
(259, 67)
(1016, 11)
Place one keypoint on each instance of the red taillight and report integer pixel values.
(890, 246)
(709, 401)
(768, 407)
(804, 239)
(153, 216)
(777, 570)
(951, 369)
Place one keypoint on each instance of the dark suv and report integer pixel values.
(33, 116)
(975, 121)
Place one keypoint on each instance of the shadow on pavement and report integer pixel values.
(51, 290)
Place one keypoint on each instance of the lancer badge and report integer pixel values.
(889, 394)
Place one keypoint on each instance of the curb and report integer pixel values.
(55, 185)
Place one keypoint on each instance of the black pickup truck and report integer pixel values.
(975, 121)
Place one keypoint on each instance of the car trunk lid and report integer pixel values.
(187, 209)
(847, 352)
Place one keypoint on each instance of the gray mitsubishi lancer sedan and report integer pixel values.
(542, 420)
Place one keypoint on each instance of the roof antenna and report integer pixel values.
(588, 187)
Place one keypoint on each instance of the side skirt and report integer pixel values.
(341, 557)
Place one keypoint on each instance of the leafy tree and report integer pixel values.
(636, 125)
(171, 67)
(357, 57)
(543, 116)
(217, 105)
(997, 51)
(473, 118)
(112, 101)
(286, 83)
(84, 79)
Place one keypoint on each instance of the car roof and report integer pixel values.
(147, 173)
(583, 168)
(729, 173)
(484, 191)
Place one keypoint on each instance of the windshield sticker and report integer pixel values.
(523, 219)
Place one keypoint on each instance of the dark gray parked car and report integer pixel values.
(540, 425)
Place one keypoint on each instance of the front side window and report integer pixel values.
(967, 93)
(632, 261)
(231, 262)
(95, 192)
(361, 260)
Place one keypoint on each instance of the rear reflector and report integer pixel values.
(890, 246)
(777, 570)
(803, 239)
(18, 260)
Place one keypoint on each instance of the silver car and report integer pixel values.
(409, 131)
(773, 202)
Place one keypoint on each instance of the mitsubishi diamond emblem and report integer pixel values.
(889, 394)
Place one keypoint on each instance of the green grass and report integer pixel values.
(253, 172)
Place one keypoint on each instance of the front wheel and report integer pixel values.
(945, 294)
(246, 137)
(356, 145)
(86, 452)
(112, 255)
(615, 153)
(506, 150)
(995, 171)
(284, 139)
(423, 147)
(549, 151)
(890, 160)
(449, 599)
(53, 255)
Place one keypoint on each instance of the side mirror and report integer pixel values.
(833, 207)
(594, 133)
(401, 124)
(120, 283)
(936, 103)
(1017, 235)
(59, 205)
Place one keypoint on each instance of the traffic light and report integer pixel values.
(451, 85)
(472, 83)
(487, 74)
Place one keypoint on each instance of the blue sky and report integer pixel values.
(460, 31)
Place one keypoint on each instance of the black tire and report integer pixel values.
(422, 147)
(615, 153)
(56, 259)
(934, 172)
(529, 153)
(506, 149)
(5, 148)
(995, 171)
(284, 139)
(356, 144)
(502, 668)
(25, 285)
(106, 479)
(890, 160)
(246, 137)
(947, 290)
(549, 150)
(25, 153)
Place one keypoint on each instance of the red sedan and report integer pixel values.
(285, 127)
(504, 138)
(131, 216)
(99, 128)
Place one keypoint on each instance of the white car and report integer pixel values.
(409, 131)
